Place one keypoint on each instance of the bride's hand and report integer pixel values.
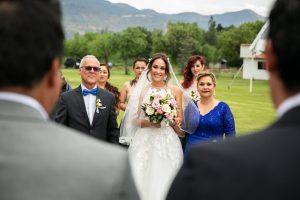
(178, 131)
(177, 121)
(155, 125)
(148, 124)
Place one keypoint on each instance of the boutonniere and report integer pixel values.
(99, 105)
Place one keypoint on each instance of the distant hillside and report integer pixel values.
(96, 15)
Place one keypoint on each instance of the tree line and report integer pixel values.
(179, 41)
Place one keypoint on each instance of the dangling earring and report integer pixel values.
(165, 78)
(149, 77)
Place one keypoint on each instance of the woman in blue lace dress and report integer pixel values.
(214, 118)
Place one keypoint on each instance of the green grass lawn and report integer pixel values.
(251, 111)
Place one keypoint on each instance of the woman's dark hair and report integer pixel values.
(187, 72)
(110, 87)
(165, 59)
(139, 59)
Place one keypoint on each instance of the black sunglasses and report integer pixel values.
(89, 68)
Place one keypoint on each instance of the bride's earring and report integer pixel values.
(149, 77)
(165, 78)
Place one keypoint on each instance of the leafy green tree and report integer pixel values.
(158, 41)
(77, 46)
(103, 46)
(230, 41)
(210, 35)
(149, 46)
(211, 53)
(182, 40)
(131, 43)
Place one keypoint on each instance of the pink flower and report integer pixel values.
(172, 102)
(155, 104)
(157, 96)
(170, 116)
(159, 111)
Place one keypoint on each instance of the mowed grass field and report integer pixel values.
(251, 111)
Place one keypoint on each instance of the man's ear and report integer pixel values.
(271, 62)
(54, 73)
(50, 87)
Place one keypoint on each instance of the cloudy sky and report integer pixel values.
(205, 7)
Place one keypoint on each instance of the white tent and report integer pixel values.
(254, 57)
(258, 45)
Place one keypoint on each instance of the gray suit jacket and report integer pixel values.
(43, 160)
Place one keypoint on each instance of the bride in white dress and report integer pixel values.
(155, 151)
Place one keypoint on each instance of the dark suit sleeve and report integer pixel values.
(182, 187)
(61, 111)
(207, 173)
(112, 127)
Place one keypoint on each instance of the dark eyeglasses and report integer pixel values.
(89, 68)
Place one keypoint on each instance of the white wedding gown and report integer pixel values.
(155, 155)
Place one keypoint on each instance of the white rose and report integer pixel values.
(149, 110)
(166, 108)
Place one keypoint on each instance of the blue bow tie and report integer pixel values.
(92, 92)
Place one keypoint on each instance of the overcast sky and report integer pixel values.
(205, 7)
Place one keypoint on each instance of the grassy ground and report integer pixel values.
(251, 111)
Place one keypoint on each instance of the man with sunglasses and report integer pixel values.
(89, 108)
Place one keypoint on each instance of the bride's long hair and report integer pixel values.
(132, 113)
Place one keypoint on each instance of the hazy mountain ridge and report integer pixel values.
(96, 15)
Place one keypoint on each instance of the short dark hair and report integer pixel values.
(284, 33)
(31, 36)
(141, 59)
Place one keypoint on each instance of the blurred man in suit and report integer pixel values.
(40, 159)
(65, 87)
(89, 108)
(264, 165)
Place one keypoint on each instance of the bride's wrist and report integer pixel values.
(146, 124)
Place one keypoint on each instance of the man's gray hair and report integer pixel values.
(88, 57)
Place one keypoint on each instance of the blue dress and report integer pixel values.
(212, 126)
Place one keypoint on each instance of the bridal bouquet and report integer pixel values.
(160, 105)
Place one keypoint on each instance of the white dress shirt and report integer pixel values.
(288, 104)
(26, 100)
(90, 104)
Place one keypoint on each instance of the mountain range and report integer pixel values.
(96, 15)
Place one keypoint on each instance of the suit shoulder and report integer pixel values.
(231, 148)
(70, 92)
(74, 139)
(107, 93)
